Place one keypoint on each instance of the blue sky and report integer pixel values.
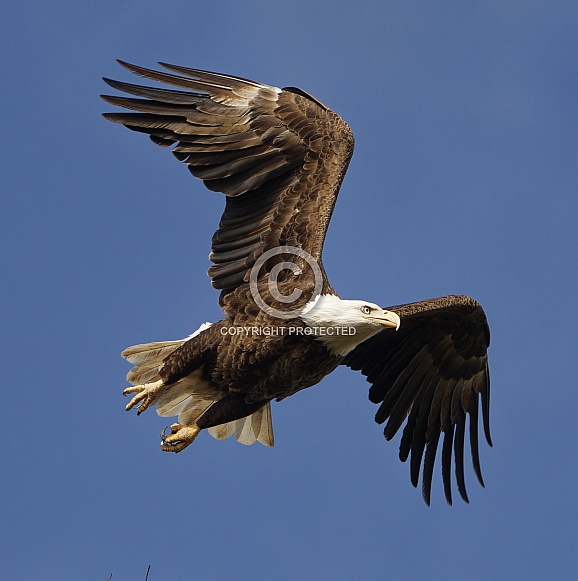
(463, 180)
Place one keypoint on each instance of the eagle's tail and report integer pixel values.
(257, 427)
(190, 398)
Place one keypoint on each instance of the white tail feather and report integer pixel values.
(265, 435)
(244, 431)
(223, 431)
(256, 427)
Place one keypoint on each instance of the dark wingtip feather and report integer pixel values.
(118, 85)
(132, 68)
(114, 117)
(124, 64)
(407, 436)
(416, 457)
(141, 71)
(486, 408)
(428, 467)
(474, 446)
(162, 141)
(459, 457)
(414, 467)
(108, 98)
(447, 462)
(476, 461)
(487, 430)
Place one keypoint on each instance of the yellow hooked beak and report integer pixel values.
(387, 319)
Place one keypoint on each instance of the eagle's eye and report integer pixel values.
(366, 310)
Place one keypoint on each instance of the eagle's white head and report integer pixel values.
(341, 325)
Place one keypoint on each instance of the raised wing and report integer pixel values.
(279, 156)
(434, 371)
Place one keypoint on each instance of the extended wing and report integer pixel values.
(433, 371)
(279, 156)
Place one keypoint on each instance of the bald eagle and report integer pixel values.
(279, 156)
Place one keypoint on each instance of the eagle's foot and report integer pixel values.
(179, 438)
(146, 395)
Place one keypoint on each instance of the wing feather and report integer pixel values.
(459, 455)
(279, 155)
(447, 462)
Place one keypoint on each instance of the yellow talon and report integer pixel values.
(179, 438)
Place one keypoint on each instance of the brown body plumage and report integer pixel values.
(280, 156)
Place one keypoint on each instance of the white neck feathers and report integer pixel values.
(337, 323)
